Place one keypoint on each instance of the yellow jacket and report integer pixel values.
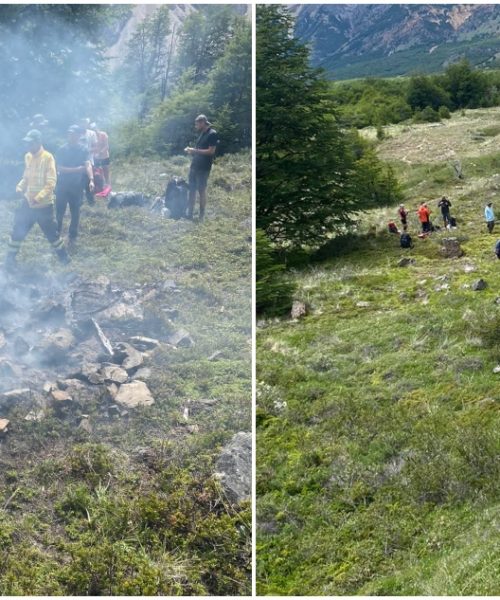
(39, 179)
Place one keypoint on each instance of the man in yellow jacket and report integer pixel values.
(37, 188)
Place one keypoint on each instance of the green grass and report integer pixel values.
(378, 413)
(133, 508)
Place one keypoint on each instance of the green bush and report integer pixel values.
(427, 115)
(444, 112)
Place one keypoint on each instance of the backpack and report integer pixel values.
(452, 221)
(392, 227)
(176, 197)
(497, 249)
(405, 240)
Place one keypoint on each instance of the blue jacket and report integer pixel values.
(489, 215)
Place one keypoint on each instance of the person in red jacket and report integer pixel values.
(424, 216)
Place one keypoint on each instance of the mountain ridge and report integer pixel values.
(344, 39)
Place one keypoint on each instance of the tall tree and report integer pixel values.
(303, 165)
(203, 39)
(308, 176)
(231, 90)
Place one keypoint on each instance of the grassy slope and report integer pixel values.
(159, 523)
(380, 475)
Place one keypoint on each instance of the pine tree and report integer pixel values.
(308, 176)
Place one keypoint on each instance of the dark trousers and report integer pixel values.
(24, 219)
(73, 198)
(426, 226)
(490, 225)
(446, 217)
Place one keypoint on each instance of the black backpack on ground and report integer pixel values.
(405, 240)
(497, 249)
(452, 221)
(176, 197)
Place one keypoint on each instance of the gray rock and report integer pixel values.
(451, 248)
(4, 424)
(234, 467)
(128, 356)
(299, 309)
(134, 394)
(113, 374)
(143, 373)
(479, 285)
(34, 415)
(181, 339)
(16, 395)
(496, 369)
(121, 313)
(144, 343)
(406, 262)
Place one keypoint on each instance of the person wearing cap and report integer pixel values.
(37, 188)
(101, 152)
(89, 140)
(489, 216)
(72, 162)
(203, 155)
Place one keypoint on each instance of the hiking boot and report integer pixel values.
(63, 256)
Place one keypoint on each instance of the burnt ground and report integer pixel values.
(123, 376)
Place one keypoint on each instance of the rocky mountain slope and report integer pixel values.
(346, 39)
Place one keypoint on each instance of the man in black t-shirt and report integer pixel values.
(444, 204)
(72, 161)
(203, 156)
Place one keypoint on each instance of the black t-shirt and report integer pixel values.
(71, 156)
(445, 206)
(203, 162)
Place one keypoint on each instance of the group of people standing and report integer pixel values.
(424, 216)
(60, 180)
(60, 177)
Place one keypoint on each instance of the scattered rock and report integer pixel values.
(181, 339)
(168, 284)
(234, 467)
(128, 356)
(362, 304)
(451, 248)
(134, 394)
(122, 313)
(34, 415)
(193, 428)
(143, 373)
(299, 309)
(496, 369)
(48, 386)
(406, 262)
(112, 390)
(497, 300)
(4, 424)
(113, 411)
(144, 343)
(113, 374)
(216, 355)
(479, 285)
(61, 397)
